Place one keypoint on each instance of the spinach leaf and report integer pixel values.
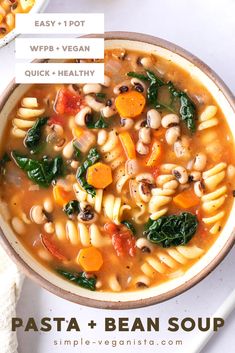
(87, 187)
(72, 208)
(41, 172)
(172, 230)
(187, 107)
(34, 134)
(101, 96)
(5, 159)
(139, 76)
(79, 278)
(99, 124)
(92, 157)
(130, 226)
(154, 79)
(77, 151)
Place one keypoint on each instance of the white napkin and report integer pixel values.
(10, 286)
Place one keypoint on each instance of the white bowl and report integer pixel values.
(199, 270)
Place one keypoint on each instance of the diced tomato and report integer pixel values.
(124, 243)
(52, 248)
(122, 239)
(68, 102)
(110, 228)
(56, 120)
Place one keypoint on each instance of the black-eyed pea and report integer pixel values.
(140, 123)
(49, 227)
(80, 118)
(153, 119)
(145, 135)
(146, 62)
(74, 164)
(122, 87)
(68, 150)
(138, 85)
(181, 175)
(107, 81)
(92, 88)
(142, 281)
(37, 215)
(109, 111)
(195, 175)
(200, 162)
(102, 137)
(141, 148)
(198, 189)
(126, 123)
(48, 205)
(18, 225)
(170, 120)
(172, 134)
(144, 245)
(93, 104)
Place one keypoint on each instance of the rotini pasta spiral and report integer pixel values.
(112, 150)
(212, 201)
(78, 233)
(166, 260)
(26, 116)
(207, 118)
(162, 195)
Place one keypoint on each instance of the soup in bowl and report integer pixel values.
(119, 194)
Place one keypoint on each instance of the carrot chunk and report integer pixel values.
(61, 196)
(155, 154)
(99, 175)
(128, 144)
(90, 259)
(186, 199)
(130, 104)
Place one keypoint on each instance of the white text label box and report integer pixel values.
(59, 73)
(62, 48)
(60, 23)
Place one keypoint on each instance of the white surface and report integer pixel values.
(206, 28)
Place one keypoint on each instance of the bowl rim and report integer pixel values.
(131, 304)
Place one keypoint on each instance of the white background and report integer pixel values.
(206, 28)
